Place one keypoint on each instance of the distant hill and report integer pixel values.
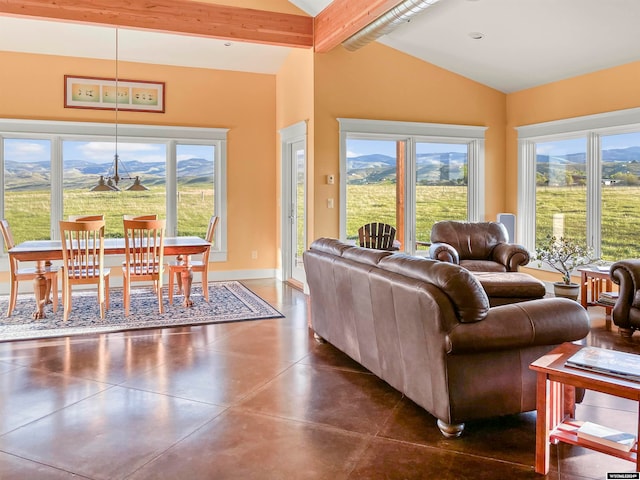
(84, 174)
(432, 168)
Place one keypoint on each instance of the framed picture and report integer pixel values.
(101, 93)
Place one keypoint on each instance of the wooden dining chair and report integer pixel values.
(19, 274)
(144, 256)
(83, 261)
(201, 266)
(152, 216)
(84, 218)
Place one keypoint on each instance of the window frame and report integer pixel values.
(412, 132)
(591, 127)
(171, 136)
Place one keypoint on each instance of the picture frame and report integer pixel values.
(100, 93)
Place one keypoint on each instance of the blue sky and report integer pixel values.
(357, 148)
(30, 150)
(578, 145)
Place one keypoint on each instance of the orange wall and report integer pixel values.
(603, 91)
(32, 87)
(377, 82)
(294, 103)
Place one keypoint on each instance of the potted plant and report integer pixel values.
(564, 255)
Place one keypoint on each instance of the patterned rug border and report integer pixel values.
(229, 301)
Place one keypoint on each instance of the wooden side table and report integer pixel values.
(593, 282)
(554, 420)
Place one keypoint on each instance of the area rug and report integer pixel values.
(228, 302)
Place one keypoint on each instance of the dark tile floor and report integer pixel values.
(253, 400)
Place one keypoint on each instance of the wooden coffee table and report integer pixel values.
(554, 412)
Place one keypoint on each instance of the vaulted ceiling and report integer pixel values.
(523, 43)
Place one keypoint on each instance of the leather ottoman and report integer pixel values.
(510, 287)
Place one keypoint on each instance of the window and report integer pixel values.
(580, 178)
(50, 167)
(27, 186)
(196, 188)
(409, 175)
(84, 162)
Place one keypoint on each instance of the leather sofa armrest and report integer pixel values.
(511, 255)
(444, 252)
(549, 321)
(626, 274)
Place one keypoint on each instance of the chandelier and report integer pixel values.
(109, 182)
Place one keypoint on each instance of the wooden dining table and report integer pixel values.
(43, 251)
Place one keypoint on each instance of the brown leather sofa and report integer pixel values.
(626, 311)
(426, 328)
(477, 246)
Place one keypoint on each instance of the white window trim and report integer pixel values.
(58, 131)
(411, 132)
(591, 127)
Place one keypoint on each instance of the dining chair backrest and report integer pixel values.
(152, 216)
(82, 248)
(85, 218)
(9, 243)
(7, 236)
(209, 237)
(144, 246)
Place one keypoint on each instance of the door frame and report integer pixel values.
(288, 136)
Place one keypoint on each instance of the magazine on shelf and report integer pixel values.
(607, 436)
(608, 298)
(610, 362)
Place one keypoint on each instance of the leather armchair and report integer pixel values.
(476, 246)
(626, 311)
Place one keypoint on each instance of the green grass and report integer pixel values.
(29, 217)
(377, 202)
(28, 211)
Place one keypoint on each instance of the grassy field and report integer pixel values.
(377, 202)
(29, 217)
(28, 211)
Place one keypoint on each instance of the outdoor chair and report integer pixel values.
(177, 268)
(144, 256)
(377, 235)
(83, 261)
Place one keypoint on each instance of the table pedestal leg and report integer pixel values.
(40, 290)
(48, 289)
(186, 278)
(179, 259)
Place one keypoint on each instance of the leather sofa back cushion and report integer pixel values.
(465, 291)
(472, 240)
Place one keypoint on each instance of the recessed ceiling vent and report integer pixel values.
(388, 22)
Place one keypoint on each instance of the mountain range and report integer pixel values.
(83, 174)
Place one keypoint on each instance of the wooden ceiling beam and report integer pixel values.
(176, 16)
(343, 18)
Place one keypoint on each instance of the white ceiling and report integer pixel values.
(526, 42)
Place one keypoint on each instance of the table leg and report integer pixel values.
(638, 437)
(542, 425)
(179, 259)
(583, 289)
(40, 290)
(186, 278)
